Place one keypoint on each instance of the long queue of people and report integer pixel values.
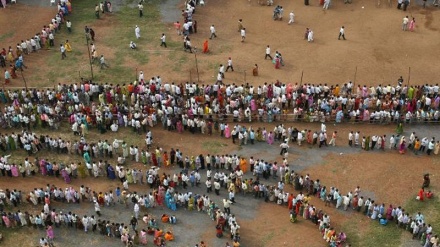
(45, 39)
(235, 179)
(146, 102)
(49, 217)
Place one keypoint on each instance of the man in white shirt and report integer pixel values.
(341, 32)
(291, 18)
(405, 23)
(229, 65)
(212, 30)
(243, 34)
(268, 53)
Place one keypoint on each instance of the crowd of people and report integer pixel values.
(217, 166)
(190, 106)
(49, 217)
(45, 39)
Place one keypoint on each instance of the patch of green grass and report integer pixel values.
(6, 35)
(213, 147)
(379, 235)
(353, 235)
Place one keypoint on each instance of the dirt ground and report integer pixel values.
(375, 44)
(21, 22)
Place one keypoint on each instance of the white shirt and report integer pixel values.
(341, 31)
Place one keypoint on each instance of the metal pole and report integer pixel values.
(197, 65)
(90, 57)
(135, 75)
(25, 83)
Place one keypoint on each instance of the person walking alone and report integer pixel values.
(243, 34)
(163, 40)
(137, 32)
(291, 18)
(229, 65)
(342, 33)
(141, 9)
(63, 51)
(102, 62)
(268, 53)
(326, 4)
(213, 34)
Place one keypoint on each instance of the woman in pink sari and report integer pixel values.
(402, 145)
(14, 170)
(227, 131)
(264, 133)
(179, 126)
(412, 24)
(143, 237)
(6, 220)
(270, 138)
(49, 233)
(43, 167)
(253, 105)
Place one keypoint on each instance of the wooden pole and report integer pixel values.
(25, 83)
(245, 76)
(409, 75)
(302, 74)
(354, 80)
(135, 75)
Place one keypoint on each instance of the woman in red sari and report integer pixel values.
(205, 46)
(421, 194)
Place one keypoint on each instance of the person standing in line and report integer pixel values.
(229, 65)
(243, 34)
(268, 53)
(137, 32)
(405, 23)
(163, 40)
(291, 17)
(342, 33)
(7, 77)
(333, 140)
(63, 51)
(213, 34)
(141, 9)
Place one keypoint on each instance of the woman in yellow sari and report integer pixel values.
(243, 165)
(67, 46)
